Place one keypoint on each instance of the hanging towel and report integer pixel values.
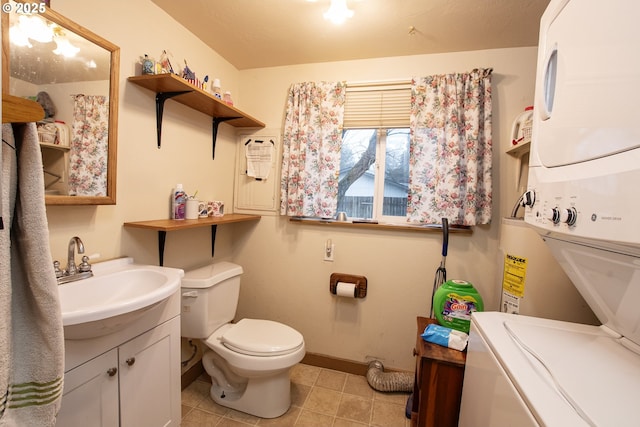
(31, 333)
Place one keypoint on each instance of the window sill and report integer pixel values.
(380, 226)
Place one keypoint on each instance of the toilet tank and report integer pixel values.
(209, 298)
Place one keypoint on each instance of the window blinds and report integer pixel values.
(377, 105)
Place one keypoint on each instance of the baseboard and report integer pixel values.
(313, 359)
(329, 362)
(191, 374)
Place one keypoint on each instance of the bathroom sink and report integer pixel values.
(118, 293)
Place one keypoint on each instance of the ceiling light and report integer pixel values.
(338, 12)
(18, 37)
(65, 48)
(35, 28)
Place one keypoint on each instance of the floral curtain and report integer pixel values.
(89, 146)
(312, 137)
(450, 149)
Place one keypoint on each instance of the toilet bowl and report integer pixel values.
(248, 361)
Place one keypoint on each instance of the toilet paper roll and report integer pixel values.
(344, 289)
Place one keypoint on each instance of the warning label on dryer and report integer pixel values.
(513, 281)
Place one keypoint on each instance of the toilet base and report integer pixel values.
(264, 397)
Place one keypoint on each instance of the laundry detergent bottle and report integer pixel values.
(454, 302)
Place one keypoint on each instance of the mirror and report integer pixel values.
(73, 74)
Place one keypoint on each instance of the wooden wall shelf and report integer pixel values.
(55, 146)
(520, 149)
(164, 225)
(170, 86)
(20, 110)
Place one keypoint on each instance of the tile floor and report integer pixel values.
(319, 398)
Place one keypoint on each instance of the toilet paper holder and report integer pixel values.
(359, 281)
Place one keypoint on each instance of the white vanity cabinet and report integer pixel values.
(91, 393)
(147, 390)
(130, 378)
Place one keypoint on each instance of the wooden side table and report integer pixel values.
(438, 384)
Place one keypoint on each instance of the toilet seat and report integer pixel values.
(256, 337)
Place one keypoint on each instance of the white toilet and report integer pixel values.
(249, 361)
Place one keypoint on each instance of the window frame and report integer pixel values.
(379, 106)
(379, 167)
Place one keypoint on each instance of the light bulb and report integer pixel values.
(65, 48)
(18, 37)
(338, 12)
(35, 28)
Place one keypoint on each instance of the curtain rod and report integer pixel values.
(378, 83)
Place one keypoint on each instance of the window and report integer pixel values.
(374, 174)
(374, 157)
(449, 154)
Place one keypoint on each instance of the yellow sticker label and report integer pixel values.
(513, 278)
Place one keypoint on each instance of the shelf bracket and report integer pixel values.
(214, 228)
(216, 123)
(161, 97)
(162, 237)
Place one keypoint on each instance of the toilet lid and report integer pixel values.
(262, 338)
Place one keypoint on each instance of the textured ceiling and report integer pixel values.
(266, 33)
(37, 64)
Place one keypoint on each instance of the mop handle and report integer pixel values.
(445, 236)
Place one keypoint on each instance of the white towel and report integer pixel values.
(31, 334)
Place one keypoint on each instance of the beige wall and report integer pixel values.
(147, 174)
(285, 277)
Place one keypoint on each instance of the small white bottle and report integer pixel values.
(227, 98)
(179, 202)
(215, 89)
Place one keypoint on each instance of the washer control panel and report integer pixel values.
(559, 215)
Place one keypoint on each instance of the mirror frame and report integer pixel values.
(53, 16)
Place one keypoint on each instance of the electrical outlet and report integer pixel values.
(328, 250)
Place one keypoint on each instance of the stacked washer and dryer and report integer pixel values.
(583, 187)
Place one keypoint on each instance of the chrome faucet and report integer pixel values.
(71, 256)
(73, 272)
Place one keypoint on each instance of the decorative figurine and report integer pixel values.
(147, 65)
(187, 73)
(165, 64)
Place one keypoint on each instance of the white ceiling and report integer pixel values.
(267, 33)
(38, 64)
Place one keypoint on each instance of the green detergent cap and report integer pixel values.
(454, 302)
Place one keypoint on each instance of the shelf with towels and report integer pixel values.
(171, 86)
(162, 226)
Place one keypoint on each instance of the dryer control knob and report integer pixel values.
(553, 215)
(529, 198)
(569, 216)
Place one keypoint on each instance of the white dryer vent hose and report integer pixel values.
(388, 381)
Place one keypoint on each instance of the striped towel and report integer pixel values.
(31, 334)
